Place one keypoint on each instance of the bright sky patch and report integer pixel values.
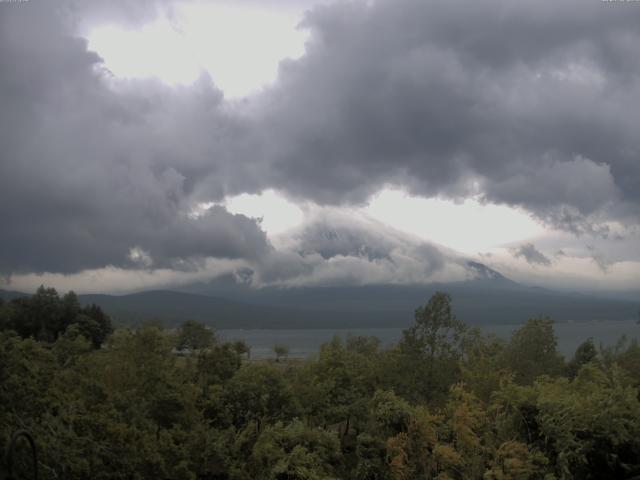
(239, 47)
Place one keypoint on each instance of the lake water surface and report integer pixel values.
(303, 343)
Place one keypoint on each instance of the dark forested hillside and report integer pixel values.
(477, 302)
(495, 300)
(445, 402)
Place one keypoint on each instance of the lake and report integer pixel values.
(303, 343)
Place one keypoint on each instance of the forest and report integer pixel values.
(445, 402)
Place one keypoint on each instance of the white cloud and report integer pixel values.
(276, 213)
(468, 226)
(240, 47)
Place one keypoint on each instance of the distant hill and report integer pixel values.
(173, 307)
(490, 299)
(10, 295)
(478, 302)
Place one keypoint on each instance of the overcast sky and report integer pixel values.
(154, 143)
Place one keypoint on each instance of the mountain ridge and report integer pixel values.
(223, 304)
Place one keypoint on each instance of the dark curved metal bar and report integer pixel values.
(11, 447)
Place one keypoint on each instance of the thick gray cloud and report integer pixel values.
(526, 103)
(331, 234)
(340, 248)
(599, 258)
(532, 255)
(90, 174)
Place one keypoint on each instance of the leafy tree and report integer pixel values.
(39, 316)
(429, 352)
(281, 351)
(218, 364)
(241, 348)
(464, 442)
(371, 455)
(295, 452)
(629, 360)
(45, 316)
(532, 351)
(436, 332)
(259, 393)
(88, 328)
(482, 368)
(367, 346)
(586, 428)
(70, 306)
(70, 346)
(5, 315)
(26, 370)
(585, 353)
(391, 413)
(514, 460)
(194, 335)
(412, 454)
(102, 328)
(335, 390)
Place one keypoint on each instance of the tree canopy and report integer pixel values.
(447, 402)
(45, 316)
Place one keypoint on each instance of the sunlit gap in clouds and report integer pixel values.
(274, 211)
(468, 227)
(240, 47)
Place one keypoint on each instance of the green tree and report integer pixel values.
(427, 359)
(259, 393)
(281, 351)
(482, 368)
(392, 414)
(371, 458)
(335, 389)
(45, 316)
(194, 335)
(89, 329)
(629, 360)
(588, 427)
(296, 452)
(100, 327)
(40, 316)
(514, 460)
(436, 332)
(364, 345)
(532, 351)
(241, 348)
(70, 346)
(585, 353)
(218, 364)
(70, 306)
(4, 315)
(412, 454)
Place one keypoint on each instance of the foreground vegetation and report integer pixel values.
(446, 402)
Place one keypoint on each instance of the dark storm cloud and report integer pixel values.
(528, 103)
(532, 255)
(89, 173)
